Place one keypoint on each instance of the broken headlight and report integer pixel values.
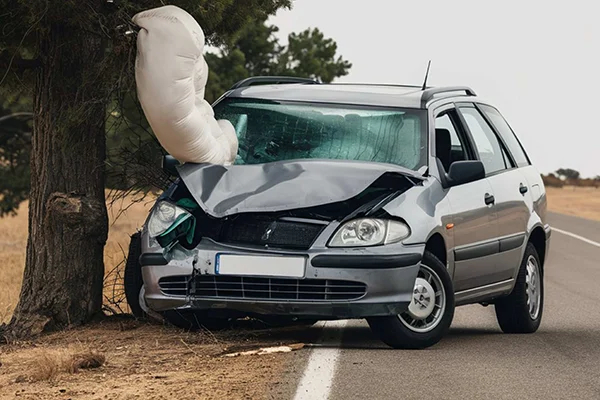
(168, 223)
(369, 232)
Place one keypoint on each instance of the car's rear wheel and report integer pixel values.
(429, 314)
(132, 279)
(521, 311)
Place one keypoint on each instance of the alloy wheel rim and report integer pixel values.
(428, 302)
(533, 287)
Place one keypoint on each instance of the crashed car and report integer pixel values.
(386, 202)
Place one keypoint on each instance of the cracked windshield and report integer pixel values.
(270, 131)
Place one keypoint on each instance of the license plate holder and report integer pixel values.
(259, 265)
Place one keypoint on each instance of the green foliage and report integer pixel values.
(220, 19)
(225, 70)
(247, 46)
(310, 54)
(24, 23)
(258, 52)
(260, 47)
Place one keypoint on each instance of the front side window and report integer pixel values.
(449, 145)
(273, 131)
(486, 142)
(507, 134)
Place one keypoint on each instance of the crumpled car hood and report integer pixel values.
(283, 185)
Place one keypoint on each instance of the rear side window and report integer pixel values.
(507, 134)
(487, 144)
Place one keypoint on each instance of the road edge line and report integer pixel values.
(317, 379)
(573, 235)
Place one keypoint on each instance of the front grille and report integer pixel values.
(238, 287)
(174, 285)
(262, 230)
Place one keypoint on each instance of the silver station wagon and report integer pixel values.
(386, 202)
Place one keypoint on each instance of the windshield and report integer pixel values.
(274, 131)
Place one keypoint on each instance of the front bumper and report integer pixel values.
(388, 272)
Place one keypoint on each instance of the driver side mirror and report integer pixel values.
(169, 165)
(462, 172)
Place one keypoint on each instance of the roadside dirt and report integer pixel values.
(577, 201)
(150, 362)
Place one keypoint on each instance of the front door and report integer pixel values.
(475, 229)
(509, 188)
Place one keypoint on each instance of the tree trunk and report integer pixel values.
(68, 224)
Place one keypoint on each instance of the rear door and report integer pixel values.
(509, 185)
(475, 227)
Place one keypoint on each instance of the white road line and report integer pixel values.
(317, 380)
(577, 237)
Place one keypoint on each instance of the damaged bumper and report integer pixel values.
(336, 283)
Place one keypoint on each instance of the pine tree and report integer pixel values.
(75, 59)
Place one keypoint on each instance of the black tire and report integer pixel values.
(132, 279)
(512, 311)
(195, 320)
(393, 332)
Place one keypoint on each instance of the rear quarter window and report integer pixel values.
(507, 134)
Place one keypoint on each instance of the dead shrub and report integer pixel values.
(551, 180)
(49, 364)
(87, 360)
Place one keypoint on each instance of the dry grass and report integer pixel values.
(13, 241)
(577, 201)
(47, 364)
(125, 218)
(149, 362)
(131, 359)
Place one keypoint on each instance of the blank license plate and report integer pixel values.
(235, 264)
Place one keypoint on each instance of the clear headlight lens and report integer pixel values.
(165, 217)
(369, 232)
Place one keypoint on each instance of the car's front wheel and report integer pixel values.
(521, 311)
(429, 314)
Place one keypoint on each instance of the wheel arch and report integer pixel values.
(436, 245)
(538, 239)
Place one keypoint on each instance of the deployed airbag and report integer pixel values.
(171, 76)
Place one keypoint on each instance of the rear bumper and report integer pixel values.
(388, 272)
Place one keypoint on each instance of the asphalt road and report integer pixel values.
(476, 360)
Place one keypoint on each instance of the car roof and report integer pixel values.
(352, 94)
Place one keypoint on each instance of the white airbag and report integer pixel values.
(171, 76)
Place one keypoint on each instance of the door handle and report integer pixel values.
(489, 199)
(523, 189)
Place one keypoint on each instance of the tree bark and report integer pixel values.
(68, 224)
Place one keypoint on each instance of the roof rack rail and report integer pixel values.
(273, 80)
(429, 94)
(377, 84)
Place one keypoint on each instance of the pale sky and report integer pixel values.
(538, 62)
